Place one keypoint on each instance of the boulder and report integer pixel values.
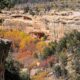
(4, 49)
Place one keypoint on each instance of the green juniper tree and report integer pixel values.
(6, 4)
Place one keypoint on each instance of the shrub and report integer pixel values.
(24, 76)
(6, 3)
(26, 9)
(63, 58)
(32, 12)
(12, 66)
(64, 73)
(57, 71)
(60, 72)
(49, 50)
(1, 21)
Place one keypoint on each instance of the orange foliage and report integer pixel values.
(23, 43)
(23, 55)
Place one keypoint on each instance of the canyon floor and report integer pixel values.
(53, 24)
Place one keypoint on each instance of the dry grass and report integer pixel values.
(40, 76)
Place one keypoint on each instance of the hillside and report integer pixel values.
(60, 4)
(45, 39)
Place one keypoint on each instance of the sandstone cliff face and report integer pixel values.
(54, 23)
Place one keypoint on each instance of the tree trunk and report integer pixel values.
(2, 72)
(4, 49)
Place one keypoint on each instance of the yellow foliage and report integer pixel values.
(17, 36)
(21, 40)
(40, 76)
(41, 45)
(34, 63)
(25, 41)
